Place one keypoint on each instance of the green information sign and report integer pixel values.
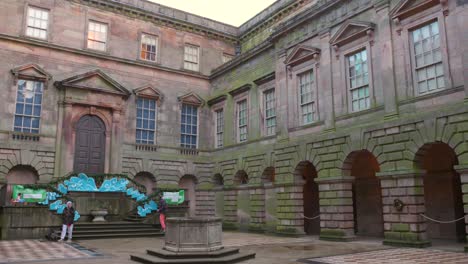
(174, 198)
(28, 195)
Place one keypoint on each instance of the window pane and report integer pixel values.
(97, 36)
(189, 127)
(146, 121)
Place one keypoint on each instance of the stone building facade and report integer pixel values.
(337, 118)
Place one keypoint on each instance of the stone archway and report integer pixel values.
(305, 172)
(189, 183)
(146, 179)
(367, 194)
(90, 145)
(241, 178)
(19, 174)
(442, 191)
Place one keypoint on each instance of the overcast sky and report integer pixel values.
(233, 12)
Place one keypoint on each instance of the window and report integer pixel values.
(148, 47)
(188, 127)
(37, 23)
(307, 101)
(242, 120)
(97, 36)
(428, 58)
(227, 57)
(191, 58)
(146, 121)
(28, 106)
(358, 75)
(270, 112)
(219, 128)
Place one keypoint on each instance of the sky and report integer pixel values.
(232, 12)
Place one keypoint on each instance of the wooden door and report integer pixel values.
(90, 145)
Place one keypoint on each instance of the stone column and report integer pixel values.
(384, 62)
(325, 79)
(230, 209)
(257, 210)
(289, 208)
(66, 145)
(463, 171)
(403, 202)
(336, 208)
(205, 201)
(281, 88)
(116, 143)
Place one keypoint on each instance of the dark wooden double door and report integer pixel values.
(90, 145)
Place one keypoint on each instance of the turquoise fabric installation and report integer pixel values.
(83, 183)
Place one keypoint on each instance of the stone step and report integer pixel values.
(116, 235)
(161, 253)
(234, 258)
(104, 231)
(138, 226)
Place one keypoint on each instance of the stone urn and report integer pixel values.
(99, 214)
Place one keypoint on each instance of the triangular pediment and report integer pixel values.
(350, 31)
(300, 54)
(148, 91)
(191, 98)
(33, 71)
(95, 80)
(406, 8)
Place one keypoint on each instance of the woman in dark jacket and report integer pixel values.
(162, 209)
(68, 218)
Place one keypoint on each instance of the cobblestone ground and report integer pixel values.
(268, 249)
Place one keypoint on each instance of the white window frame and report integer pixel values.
(348, 80)
(106, 43)
(198, 125)
(26, 22)
(219, 135)
(265, 117)
(155, 120)
(313, 101)
(140, 50)
(42, 105)
(237, 128)
(187, 45)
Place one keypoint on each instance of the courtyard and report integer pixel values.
(268, 249)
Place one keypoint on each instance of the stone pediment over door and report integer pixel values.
(300, 54)
(407, 8)
(94, 81)
(351, 30)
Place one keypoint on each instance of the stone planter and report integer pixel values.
(193, 234)
(99, 215)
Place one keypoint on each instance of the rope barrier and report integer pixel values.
(442, 222)
(310, 218)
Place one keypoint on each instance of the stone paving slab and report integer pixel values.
(37, 250)
(392, 256)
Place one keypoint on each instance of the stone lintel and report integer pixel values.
(242, 89)
(217, 99)
(401, 174)
(266, 78)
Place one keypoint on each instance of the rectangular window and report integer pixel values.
(358, 75)
(227, 57)
(307, 99)
(97, 36)
(146, 121)
(189, 126)
(37, 23)
(219, 128)
(191, 58)
(242, 120)
(270, 112)
(28, 106)
(148, 47)
(428, 58)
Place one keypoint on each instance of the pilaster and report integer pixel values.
(462, 170)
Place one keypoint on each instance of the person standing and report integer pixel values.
(162, 209)
(68, 217)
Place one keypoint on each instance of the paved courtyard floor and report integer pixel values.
(269, 250)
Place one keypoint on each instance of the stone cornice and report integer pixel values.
(217, 99)
(98, 55)
(242, 89)
(265, 78)
(179, 20)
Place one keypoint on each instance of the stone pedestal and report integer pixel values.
(193, 234)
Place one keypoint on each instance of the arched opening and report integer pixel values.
(146, 179)
(241, 178)
(442, 191)
(218, 180)
(367, 194)
(188, 183)
(268, 175)
(19, 174)
(90, 145)
(306, 172)
(22, 174)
